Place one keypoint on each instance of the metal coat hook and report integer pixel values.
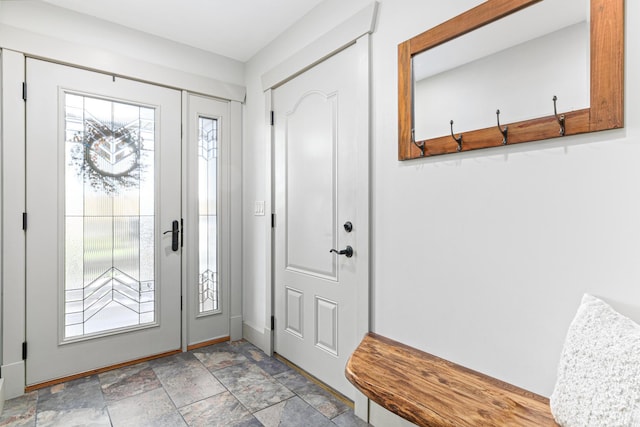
(560, 118)
(420, 146)
(458, 140)
(504, 130)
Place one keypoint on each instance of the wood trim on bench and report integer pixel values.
(430, 391)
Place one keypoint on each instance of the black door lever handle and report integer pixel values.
(348, 251)
(175, 231)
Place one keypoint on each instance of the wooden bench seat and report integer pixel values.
(430, 391)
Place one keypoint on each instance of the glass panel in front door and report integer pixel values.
(207, 213)
(109, 216)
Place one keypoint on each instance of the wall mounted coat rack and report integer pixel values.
(503, 131)
(606, 83)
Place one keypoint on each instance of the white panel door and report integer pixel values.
(207, 202)
(103, 200)
(315, 186)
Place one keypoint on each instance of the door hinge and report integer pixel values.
(273, 323)
(182, 232)
(180, 302)
(273, 220)
(24, 221)
(24, 350)
(273, 120)
(24, 91)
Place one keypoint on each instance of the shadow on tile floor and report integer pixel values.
(228, 384)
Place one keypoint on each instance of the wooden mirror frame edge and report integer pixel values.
(606, 109)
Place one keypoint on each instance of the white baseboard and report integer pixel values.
(235, 328)
(361, 406)
(1, 395)
(378, 416)
(257, 338)
(13, 376)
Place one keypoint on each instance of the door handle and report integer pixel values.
(348, 251)
(175, 231)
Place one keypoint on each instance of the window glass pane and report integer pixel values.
(109, 215)
(208, 291)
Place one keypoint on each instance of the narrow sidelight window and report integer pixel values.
(208, 289)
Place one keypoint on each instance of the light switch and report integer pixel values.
(259, 208)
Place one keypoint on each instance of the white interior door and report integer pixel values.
(103, 185)
(316, 180)
(207, 202)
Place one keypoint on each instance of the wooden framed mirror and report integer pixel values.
(603, 95)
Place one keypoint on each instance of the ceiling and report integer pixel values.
(236, 29)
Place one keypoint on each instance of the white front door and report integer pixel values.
(207, 202)
(317, 176)
(104, 210)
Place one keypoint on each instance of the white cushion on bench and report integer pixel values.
(598, 380)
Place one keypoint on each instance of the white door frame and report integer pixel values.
(230, 209)
(354, 31)
(231, 243)
(14, 47)
(13, 237)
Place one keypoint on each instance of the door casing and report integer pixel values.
(359, 26)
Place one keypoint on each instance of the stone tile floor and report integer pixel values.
(228, 384)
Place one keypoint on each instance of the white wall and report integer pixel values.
(478, 257)
(41, 30)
